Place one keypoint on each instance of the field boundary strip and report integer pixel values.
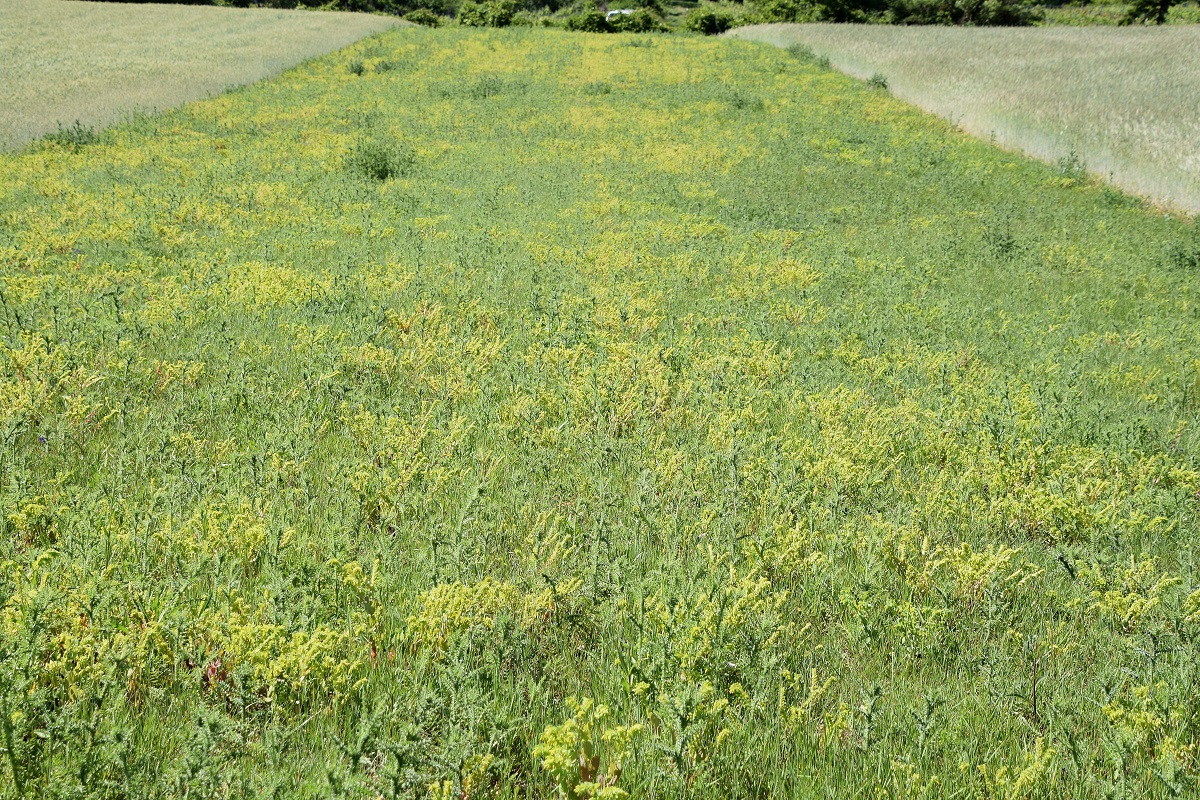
(97, 63)
(1074, 96)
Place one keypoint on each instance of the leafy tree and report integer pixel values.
(960, 12)
(494, 14)
(423, 16)
(789, 11)
(1148, 11)
(709, 20)
(590, 20)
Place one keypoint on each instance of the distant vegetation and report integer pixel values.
(717, 17)
(1103, 13)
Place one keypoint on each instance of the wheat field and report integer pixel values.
(1125, 100)
(64, 61)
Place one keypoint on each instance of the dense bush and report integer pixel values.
(73, 137)
(788, 11)
(805, 53)
(960, 12)
(493, 14)
(380, 159)
(709, 20)
(642, 20)
(905, 12)
(423, 16)
(1148, 11)
(592, 20)
(1185, 253)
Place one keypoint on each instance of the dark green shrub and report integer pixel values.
(803, 52)
(642, 20)
(380, 159)
(998, 235)
(745, 102)
(593, 20)
(356, 67)
(590, 20)
(961, 12)
(1154, 11)
(1072, 169)
(877, 81)
(493, 14)
(709, 21)
(1185, 253)
(423, 16)
(493, 85)
(787, 11)
(473, 15)
(922, 12)
(501, 13)
(74, 136)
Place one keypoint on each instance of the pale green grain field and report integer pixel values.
(62, 61)
(1126, 100)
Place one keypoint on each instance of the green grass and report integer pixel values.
(65, 62)
(353, 422)
(1112, 14)
(1121, 99)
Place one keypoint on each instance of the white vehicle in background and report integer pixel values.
(618, 12)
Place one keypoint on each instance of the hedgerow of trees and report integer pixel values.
(704, 17)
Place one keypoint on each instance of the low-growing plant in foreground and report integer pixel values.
(552, 415)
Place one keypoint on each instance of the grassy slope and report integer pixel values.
(1124, 99)
(836, 449)
(64, 61)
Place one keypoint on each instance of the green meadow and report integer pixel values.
(534, 414)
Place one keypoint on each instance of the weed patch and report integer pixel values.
(1184, 253)
(548, 417)
(379, 158)
(73, 137)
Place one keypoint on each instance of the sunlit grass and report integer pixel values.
(425, 422)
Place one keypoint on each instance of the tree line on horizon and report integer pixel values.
(728, 12)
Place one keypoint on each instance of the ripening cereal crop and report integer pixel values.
(530, 414)
(64, 61)
(1118, 102)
